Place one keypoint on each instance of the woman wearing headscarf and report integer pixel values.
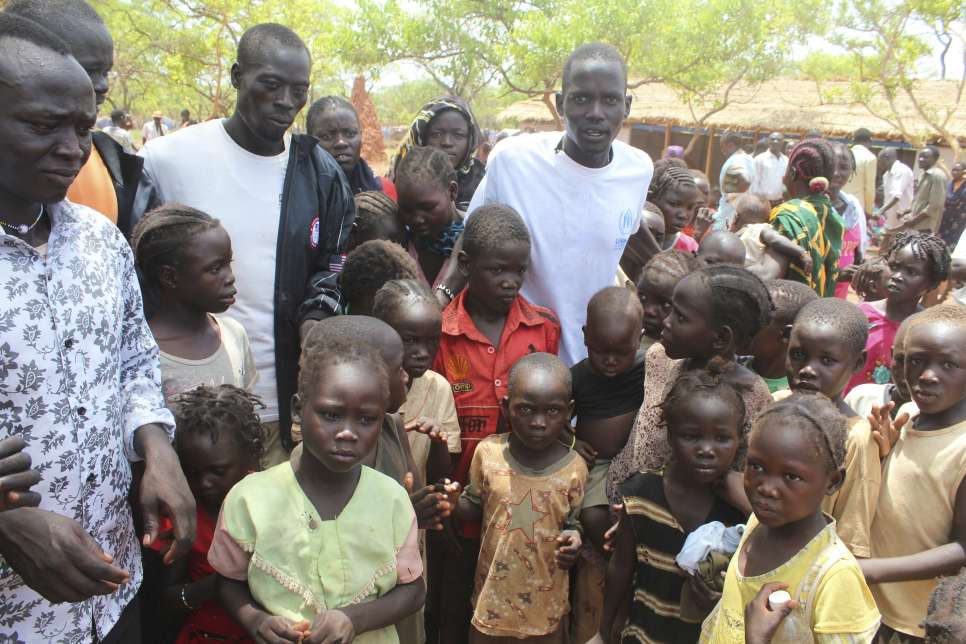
(448, 124)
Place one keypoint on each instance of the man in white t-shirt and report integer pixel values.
(770, 168)
(958, 271)
(580, 192)
(283, 200)
(897, 183)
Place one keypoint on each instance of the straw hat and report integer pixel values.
(158, 115)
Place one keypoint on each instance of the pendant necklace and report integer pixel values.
(23, 229)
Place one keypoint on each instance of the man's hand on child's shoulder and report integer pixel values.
(568, 548)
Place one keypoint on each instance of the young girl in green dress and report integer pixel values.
(323, 548)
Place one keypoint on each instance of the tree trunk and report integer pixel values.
(373, 145)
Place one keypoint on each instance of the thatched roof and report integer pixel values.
(783, 104)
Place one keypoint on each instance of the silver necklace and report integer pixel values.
(23, 229)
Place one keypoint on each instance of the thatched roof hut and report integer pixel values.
(783, 104)
(659, 117)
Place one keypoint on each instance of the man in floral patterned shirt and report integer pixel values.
(79, 375)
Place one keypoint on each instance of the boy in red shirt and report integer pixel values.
(486, 329)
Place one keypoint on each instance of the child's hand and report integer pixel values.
(847, 273)
(806, 260)
(586, 452)
(432, 503)
(426, 426)
(332, 627)
(885, 431)
(703, 220)
(611, 533)
(16, 477)
(568, 547)
(761, 622)
(279, 630)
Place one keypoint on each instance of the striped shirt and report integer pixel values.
(655, 614)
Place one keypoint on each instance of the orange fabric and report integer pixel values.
(478, 372)
(94, 188)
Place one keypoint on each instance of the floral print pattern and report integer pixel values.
(79, 375)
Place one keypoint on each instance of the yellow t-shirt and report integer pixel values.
(823, 571)
(853, 505)
(93, 187)
(920, 479)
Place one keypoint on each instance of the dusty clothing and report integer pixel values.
(920, 480)
(430, 396)
(519, 590)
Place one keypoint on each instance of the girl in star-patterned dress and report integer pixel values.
(526, 488)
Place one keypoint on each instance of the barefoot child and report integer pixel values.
(826, 347)
(427, 187)
(486, 329)
(655, 287)
(287, 545)
(920, 522)
(715, 311)
(184, 260)
(918, 263)
(795, 456)
(526, 488)
(219, 442)
(705, 416)
(770, 347)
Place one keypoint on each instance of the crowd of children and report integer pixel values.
(708, 397)
(737, 452)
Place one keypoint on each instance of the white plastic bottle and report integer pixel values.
(793, 629)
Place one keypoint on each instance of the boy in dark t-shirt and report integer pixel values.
(608, 390)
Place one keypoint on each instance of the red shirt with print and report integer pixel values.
(478, 372)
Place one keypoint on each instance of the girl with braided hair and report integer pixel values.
(808, 219)
(918, 263)
(377, 217)
(675, 193)
(183, 257)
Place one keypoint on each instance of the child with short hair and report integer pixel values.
(918, 263)
(721, 247)
(287, 544)
(705, 415)
(769, 349)
(795, 458)
(920, 521)
(427, 186)
(219, 442)
(486, 329)
(526, 487)
(715, 312)
(656, 286)
(752, 227)
(826, 347)
(184, 261)
(368, 267)
(608, 391)
(377, 217)
(408, 306)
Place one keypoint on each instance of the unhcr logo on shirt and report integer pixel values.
(625, 227)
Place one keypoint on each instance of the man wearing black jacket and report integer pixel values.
(283, 200)
(108, 181)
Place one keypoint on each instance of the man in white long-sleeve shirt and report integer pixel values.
(897, 183)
